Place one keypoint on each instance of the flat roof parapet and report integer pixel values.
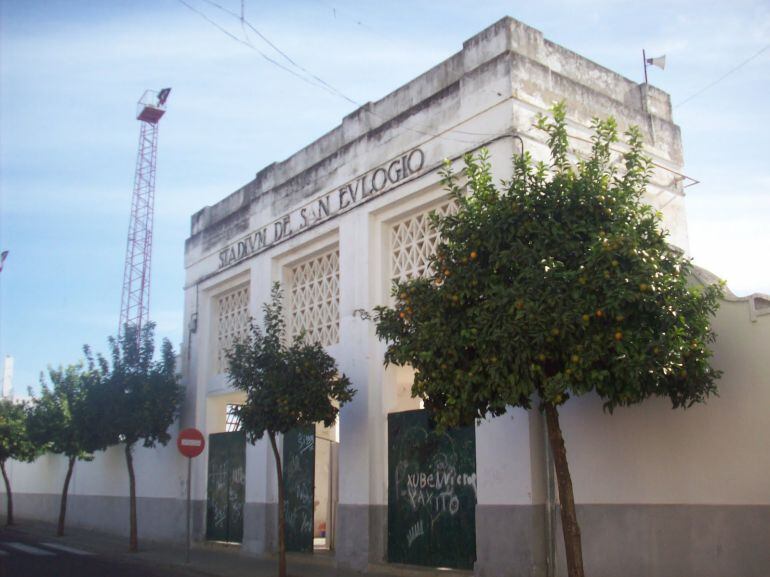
(504, 36)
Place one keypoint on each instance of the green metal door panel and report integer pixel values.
(237, 487)
(226, 487)
(298, 482)
(431, 493)
(217, 498)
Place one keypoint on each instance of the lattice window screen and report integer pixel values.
(413, 241)
(314, 298)
(232, 322)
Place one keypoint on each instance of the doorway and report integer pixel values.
(431, 492)
(226, 487)
(310, 465)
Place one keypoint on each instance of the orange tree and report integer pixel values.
(58, 423)
(557, 283)
(289, 383)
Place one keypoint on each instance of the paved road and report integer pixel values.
(24, 556)
(30, 550)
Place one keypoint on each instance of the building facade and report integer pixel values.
(337, 223)
(658, 492)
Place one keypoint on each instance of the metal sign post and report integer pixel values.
(189, 516)
(191, 444)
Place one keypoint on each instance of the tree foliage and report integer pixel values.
(557, 283)
(14, 438)
(288, 385)
(139, 397)
(14, 444)
(59, 416)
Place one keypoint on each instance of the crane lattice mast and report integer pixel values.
(135, 299)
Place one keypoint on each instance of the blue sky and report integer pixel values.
(71, 73)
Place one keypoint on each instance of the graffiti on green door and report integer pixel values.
(431, 493)
(299, 489)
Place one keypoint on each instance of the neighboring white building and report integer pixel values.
(658, 492)
(8, 377)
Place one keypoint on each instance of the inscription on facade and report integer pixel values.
(325, 207)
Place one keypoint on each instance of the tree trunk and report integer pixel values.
(281, 513)
(133, 542)
(570, 528)
(9, 496)
(63, 507)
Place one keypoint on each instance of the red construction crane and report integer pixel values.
(135, 300)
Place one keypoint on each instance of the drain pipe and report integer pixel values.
(550, 507)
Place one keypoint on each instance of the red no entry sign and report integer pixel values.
(190, 442)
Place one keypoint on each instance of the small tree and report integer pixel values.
(58, 421)
(137, 400)
(14, 444)
(556, 284)
(287, 386)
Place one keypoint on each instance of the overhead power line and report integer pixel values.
(721, 78)
(247, 44)
(265, 39)
(308, 76)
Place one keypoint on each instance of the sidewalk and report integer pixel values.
(217, 560)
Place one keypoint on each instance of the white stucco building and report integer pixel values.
(658, 492)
